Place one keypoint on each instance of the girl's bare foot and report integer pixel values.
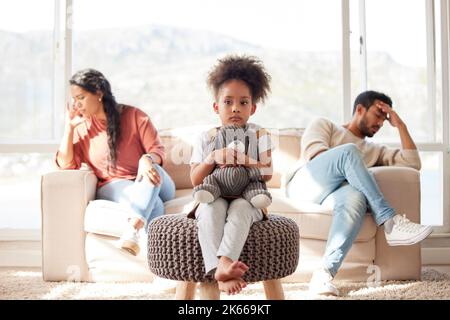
(232, 286)
(228, 269)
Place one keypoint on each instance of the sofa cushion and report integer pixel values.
(183, 202)
(286, 153)
(105, 217)
(107, 263)
(178, 145)
(178, 149)
(355, 265)
(110, 218)
(314, 220)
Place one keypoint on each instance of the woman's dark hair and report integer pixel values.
(367, 98)
(245, 68)
(94, 81)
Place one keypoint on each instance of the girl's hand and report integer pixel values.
(146, 170)
(244, 160)
(73, 117)
(223, 157)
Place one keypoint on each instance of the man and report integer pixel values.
(333, 171)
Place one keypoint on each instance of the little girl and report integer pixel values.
(238, 84)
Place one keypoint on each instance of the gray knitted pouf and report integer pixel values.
(271, 250)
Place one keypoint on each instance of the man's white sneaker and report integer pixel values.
(130, 241)
(405, 233)
(321, 284)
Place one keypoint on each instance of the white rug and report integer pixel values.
(28, 284)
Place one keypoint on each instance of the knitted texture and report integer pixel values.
(271, 250)
(228, 181)
(234, 181)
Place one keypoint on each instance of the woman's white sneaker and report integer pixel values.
(405, 233)
(130, 241)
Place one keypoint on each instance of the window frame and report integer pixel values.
(441, 147)
(62, 62)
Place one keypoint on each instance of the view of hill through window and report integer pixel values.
(157, 56)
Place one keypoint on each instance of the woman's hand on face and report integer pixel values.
(73, 117)
(146, 170)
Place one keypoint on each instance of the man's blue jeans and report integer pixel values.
(339, 177)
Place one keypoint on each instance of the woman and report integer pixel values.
(122, 147)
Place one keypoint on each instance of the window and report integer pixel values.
(26, 70)
(26, 73)
(157, 55)
(158, 58)
(398, 68)
(20, 182)
(409, 73)
(431, 188)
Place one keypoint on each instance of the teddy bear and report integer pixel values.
(234, 181)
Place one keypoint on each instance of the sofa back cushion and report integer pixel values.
(178, 144)
(286, 153)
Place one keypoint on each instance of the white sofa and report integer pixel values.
(78, 244)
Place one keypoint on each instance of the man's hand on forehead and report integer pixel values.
(384, 108)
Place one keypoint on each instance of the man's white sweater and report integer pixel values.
(322, 134)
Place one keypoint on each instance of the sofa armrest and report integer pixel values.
(401, 188)
(64, 197)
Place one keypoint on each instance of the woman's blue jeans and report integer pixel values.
(143, 198)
